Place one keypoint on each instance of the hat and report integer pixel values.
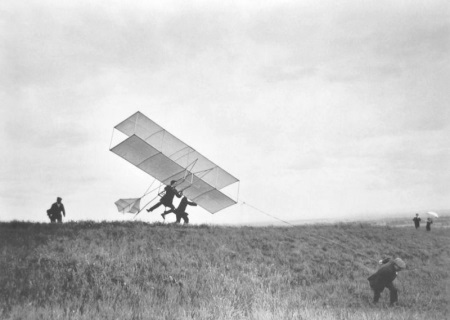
(173, 181)
(400, 263)
(59, 198)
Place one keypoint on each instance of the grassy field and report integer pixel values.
(136, 270)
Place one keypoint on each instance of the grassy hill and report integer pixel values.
(136, 270)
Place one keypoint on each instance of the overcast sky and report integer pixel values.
(322, 110)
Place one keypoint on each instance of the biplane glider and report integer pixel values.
(163, 156)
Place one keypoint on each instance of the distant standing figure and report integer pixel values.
(54, 213)
(417, 221)
(429, 222)
(181, 210)
(384, 277)
(167, 198)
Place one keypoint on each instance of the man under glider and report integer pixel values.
(181, 210)
(384, 277)
(167, 198)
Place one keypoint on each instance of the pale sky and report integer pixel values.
(322, 109)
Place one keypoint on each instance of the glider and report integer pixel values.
(163, 156)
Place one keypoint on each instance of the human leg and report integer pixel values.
(154, 207)
(377, 289)
(58, 218)
(172, 209)
(184, 215)
(178, 216)
(376, 296)
(393, 293)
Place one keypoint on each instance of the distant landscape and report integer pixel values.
(380, 218)
(135, 270)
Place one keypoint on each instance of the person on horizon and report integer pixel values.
(167, 198)
(180, 211)
(429, 222)
(54, 213)
(417, 220)
(384, 278)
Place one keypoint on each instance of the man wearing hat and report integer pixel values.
(384, 277)
(54, 213)
(417, 220)
(167, 198)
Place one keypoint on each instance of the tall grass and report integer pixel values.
(136, 270)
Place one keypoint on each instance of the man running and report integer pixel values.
(181, 210)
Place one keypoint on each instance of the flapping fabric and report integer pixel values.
(128, 205)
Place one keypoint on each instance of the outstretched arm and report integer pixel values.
(178, 193)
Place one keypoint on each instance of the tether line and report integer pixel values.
(267, 214)
(316, 236)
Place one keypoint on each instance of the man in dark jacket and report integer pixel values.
(167, 198)
(54, 213)
(417, 221)
(384, 277)
(181, 210)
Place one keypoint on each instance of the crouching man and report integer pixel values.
(384, 278)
